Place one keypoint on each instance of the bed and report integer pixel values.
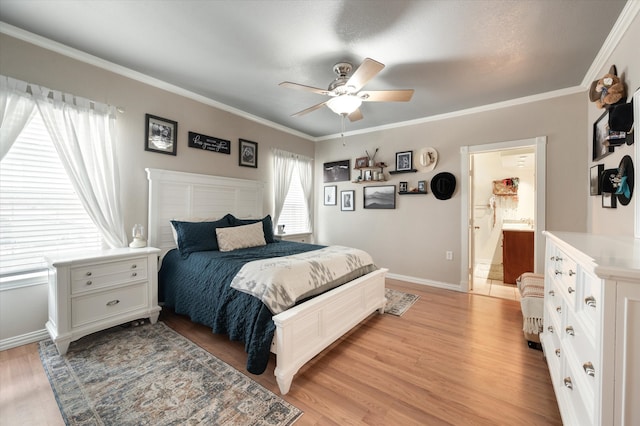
(300, 332)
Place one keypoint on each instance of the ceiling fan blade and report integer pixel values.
(365, 72)
(355, 115)
(297, 86)
(308, 110)
(386, 95)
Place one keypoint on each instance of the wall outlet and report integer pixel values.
(449, 255)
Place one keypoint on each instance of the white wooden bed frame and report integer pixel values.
(303, 331)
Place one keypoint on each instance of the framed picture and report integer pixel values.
(600, 134)
(337, 171)
(362, 162)
(404, 187)
(160, 135)
(347, 200)
(209, 143)
(595, 183)
(422, 186)
(368, 175)
(609, 200)
(404, 161)
(380, 197)
(248, 153)
(330, 194)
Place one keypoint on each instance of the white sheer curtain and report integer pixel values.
(16, 108)
(305, 171)
(83, 134)
(283, 164)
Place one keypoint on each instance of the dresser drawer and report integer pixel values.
(91, 277)
(589, 300)
(570, 389)
(565, 276)
(581, 357)
(100, 305)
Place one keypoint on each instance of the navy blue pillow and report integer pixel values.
(199, 236)
(267, 226)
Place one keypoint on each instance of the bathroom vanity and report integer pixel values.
(517, 252)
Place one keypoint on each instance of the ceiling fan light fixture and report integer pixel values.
(345, 104)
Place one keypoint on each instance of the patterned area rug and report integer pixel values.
(151, 375)
(398, 302)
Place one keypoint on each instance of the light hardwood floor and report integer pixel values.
(453, 358)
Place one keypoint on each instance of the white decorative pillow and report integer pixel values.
(237, 237)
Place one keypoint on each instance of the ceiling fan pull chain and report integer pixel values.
(342, 134)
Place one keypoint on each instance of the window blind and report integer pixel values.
(295, 214)
(39, 209)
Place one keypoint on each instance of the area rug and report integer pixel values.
(151, 375)
(398, 302)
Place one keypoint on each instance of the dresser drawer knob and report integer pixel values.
(588, 368)
(568, 383)
(113, 302)
(558, 272)
(88, 274)
(134, 274)
(552, 293)
(571, 273)
(590, 301)
(558, 353)
(89, 282)
(559, 309)
(550, 329)
(569, 330)
(134, 266)
(570, 290)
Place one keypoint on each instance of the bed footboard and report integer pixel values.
(305, 330)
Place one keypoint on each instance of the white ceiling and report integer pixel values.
(456, 54)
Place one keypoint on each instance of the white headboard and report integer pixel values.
(183, 195)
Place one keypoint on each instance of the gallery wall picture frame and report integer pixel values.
(403, 187)
(248, 153)
(337, 171)
(404, 161)
(362, 162)
(595, 183)
(422, 186)
(209, 143)
(330, 195)
(609, 200)
(160, 135)
(600, 133)
(380, 197)
(348, 200)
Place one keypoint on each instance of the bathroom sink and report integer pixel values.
(516, 226)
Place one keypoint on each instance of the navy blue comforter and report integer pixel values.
(200, 287)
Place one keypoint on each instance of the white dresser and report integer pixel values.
(591, 336)
(94, 290)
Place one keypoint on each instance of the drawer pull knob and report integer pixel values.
(558, 353)
(134, 274)
(89, 273)
(571, 273)
(559, 309)
(588, 368)
(552, 258)
(89, 282)
(558, 258)
(550, 329)
(569, 330)
(134, 266)
(590, 301)
(552, 293)
(568, 383)
(113, 302)
(558, 272)
(570, 290)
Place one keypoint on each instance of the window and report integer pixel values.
(295, 213)
(39, 209)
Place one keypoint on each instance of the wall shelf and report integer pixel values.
(413, 193)
(397, 172)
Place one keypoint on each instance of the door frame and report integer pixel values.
(466, 224)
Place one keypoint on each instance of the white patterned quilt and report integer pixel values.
(280, 282)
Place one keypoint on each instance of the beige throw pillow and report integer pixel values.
(238, 237)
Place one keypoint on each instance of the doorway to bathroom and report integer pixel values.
(504, 214)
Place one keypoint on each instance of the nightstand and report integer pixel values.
(93, 290)
(298, 238)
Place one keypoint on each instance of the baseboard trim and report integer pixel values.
(23, 339)
(422, 281)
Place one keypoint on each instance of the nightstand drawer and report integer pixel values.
(101, 305)
(102, 275)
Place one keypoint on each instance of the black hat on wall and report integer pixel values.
(443, 185)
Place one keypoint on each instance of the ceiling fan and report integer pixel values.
(344, 91)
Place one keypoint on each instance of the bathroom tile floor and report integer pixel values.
(494, 288)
